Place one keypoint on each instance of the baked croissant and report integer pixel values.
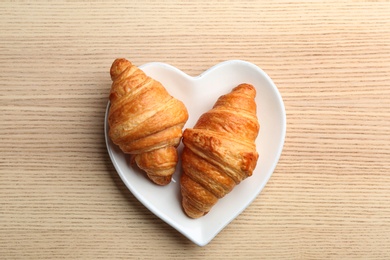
(145, 121)
(220, 151)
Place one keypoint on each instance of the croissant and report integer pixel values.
(220, 151)
(145, 121)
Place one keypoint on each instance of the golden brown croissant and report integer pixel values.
(220, 151)
(145, 121)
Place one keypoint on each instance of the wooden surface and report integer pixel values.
(60, 196)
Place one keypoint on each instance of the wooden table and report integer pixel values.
(329, 197)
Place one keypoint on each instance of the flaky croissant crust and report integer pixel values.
(145, 120)
(220, 151)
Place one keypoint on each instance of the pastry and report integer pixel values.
(145, 121)
(219, 151)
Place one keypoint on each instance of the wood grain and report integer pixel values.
(329, 195)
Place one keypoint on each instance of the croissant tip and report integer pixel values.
(118, 66)
(160, 180)
(192, 212)
(245, 87)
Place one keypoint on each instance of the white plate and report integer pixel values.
(199, 95)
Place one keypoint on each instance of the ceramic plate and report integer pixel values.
(199, 95)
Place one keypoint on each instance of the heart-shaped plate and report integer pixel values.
(199, 95)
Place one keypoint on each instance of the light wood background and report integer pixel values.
(61, 198)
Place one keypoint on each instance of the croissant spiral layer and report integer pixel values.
(145, 120)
